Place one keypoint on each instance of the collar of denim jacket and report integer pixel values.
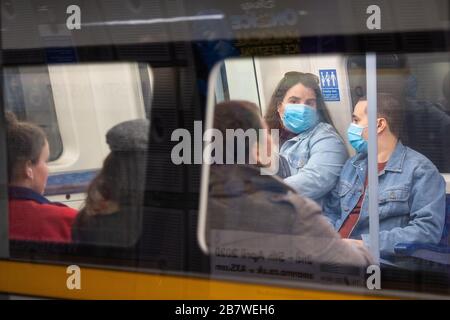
(307, 133)
(395, 162)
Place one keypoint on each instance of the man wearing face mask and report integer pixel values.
(411, 190)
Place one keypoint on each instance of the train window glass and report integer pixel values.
(421, 82)
(243, 223)
(261, 211)
(238, 81)
(28, 94)
(93, 193)
(413, 96)
(254, 220)
(257, 220)
(254, 79)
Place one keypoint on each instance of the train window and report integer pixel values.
(261, 211)
(237, 80)
(418, 85)
(92, 191)
(29, 95)
(222, 140)
(248, 224)
(421, 82)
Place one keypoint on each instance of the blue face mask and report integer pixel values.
(298, 118)
(355, 138)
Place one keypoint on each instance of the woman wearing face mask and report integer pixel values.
(313, 149)
(31, 215)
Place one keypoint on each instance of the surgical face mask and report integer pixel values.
(298, 118)
(355, 138)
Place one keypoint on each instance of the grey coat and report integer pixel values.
(261, 214)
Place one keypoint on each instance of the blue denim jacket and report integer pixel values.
(315, 159)
(411, 199)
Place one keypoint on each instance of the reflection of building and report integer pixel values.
(14, 99)
(445, 102)
(427, 131)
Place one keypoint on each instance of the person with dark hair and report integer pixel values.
(411, 190)
(314, 150)
(112, 213)
(32, 216)
(264, 209)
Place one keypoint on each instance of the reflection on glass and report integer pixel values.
(32, 217)
(414, 151)
(259, 226)
(313, 149)
(29, 95)
(112, 214)
(47, 186)
(411, 190)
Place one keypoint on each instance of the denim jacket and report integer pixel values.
(315, 159)
(411, 199)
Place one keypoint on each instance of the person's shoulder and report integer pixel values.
(356, 157)
(42, 213)
(327, 128)
(95, 227)
(274, 184)
(352, 163)
(275, 190)
(302, 205)
(57, 210)
(421, 167)
(50, 207)
(418, 160)
(326, 131)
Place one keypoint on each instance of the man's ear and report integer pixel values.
(264, 149)
(381, 125)
(29, 170)
(254, 154)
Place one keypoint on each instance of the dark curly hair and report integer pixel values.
(289, 80)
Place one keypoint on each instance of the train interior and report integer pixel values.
(77, 104)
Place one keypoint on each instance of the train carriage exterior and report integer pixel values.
(171, 62)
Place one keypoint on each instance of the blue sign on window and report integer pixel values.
(329, 84)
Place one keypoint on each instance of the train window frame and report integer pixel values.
(371, 81)
(210, 106)
(4, 217)
(373, 211)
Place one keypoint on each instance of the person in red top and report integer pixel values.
(31, 215)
